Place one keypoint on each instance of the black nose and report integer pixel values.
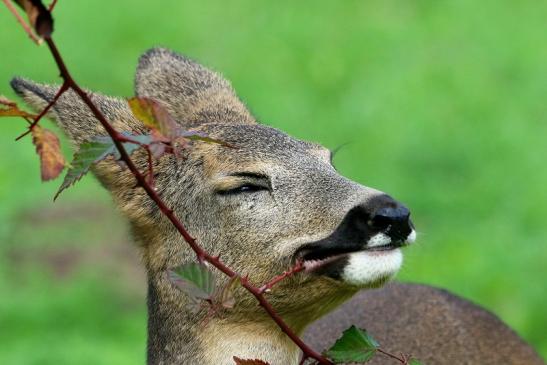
(393, 219)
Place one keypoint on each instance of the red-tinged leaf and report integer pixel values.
(239, 361)
(48, 148)
(158, 137)
(38, 15)
(153, 115)
(13, 111)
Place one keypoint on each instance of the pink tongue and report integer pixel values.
(311, 265)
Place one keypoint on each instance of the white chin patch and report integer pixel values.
(372, 267)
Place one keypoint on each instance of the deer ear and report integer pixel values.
(193, 94)
(72, 115)
(77, 121)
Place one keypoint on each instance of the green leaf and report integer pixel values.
(355, 345)
(194, 279)
(95, 150)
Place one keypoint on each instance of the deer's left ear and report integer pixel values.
(72, 115)
(192, 93)
(76, 120)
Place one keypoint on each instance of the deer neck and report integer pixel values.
(177, 335)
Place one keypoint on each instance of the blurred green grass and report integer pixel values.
(442, 103)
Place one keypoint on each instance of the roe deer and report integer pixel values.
(261, 205)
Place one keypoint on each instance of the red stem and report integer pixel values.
(52, 5)
(64, 87)
(202, 255)
(299, 266)
(402, 360)
(150, 172)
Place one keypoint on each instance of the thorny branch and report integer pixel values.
(202, 255)
(64, 87)
(299, 266)
(142, 181)
(149, 154)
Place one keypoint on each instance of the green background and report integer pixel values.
(442, 103)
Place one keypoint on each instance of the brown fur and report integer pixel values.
(255, 233)
(432, 324)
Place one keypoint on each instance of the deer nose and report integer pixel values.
(393, 219)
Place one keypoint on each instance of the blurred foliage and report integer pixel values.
(442, 103)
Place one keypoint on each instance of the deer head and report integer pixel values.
(261, 205)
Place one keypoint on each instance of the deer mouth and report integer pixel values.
(360, 248)
(331, 260)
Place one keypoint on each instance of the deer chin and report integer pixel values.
(370, 265)
(372, 268)
(367, 268)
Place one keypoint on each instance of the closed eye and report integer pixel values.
(244, 189)
(243, 183)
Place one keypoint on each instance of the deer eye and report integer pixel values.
(244, 189)
(242, 182)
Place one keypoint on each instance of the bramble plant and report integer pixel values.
(164, 136)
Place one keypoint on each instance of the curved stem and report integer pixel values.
(202, 255)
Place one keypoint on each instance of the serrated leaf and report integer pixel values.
(194, 279)
(93, 151)
(239, 361)
(164, 127)
(355, 345)
(144, 139)
(153, 115)
(38, 16)
(48, 147)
